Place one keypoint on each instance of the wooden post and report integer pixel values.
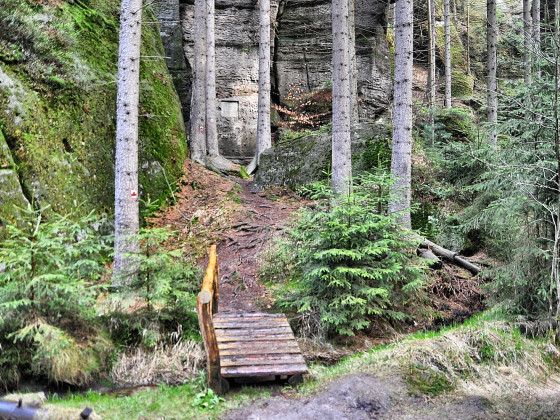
(206, 306)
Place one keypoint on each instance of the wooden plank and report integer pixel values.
(221, 315)
(256, 332)
(263, 344)
(280, 360)
(250, 325)
(231, 372)
(257, 351)
(264, 337)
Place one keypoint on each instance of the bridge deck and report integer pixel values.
(257, 344)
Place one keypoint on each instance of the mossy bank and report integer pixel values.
(57, 106)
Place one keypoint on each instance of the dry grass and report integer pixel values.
(165, 363)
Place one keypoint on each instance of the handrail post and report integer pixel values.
(206, 306)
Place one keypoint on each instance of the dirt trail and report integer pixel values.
(214, 209)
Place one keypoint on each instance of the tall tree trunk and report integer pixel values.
(126, 155)
(536, 14)
(341, 145)
(197, 129)
(527, 40)
(556, 251)
(447, 52)
(211, 130)
(263, 124)
(492, 84)
(355, 115)
(431, 66)
(402, 113)
(468, 36)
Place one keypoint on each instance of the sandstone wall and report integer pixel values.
(301, 51)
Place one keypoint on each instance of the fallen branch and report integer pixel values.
(449, 256)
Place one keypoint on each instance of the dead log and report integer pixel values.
(449, 256)
(434, 261)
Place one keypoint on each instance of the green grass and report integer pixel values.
(164, 402)
(431, 363)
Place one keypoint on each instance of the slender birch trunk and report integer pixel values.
(527, 41)
(492, 83)
(126, 155)
(402, 113)
(341, 147)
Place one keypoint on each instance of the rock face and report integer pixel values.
(306, 159)
(167, 13)
(57, 107)
(301, 51)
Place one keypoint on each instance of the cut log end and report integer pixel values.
(204, 297)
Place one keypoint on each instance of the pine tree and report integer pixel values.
(447, 53)
(492, 64)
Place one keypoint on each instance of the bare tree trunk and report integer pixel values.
(263, 124)
(197, 129)
(211, 130)
(402, 113)
(341, 146)
(556, 250)
(447, 52)
(126, 155)
(355, 115)
(468, 36)
(492, 84)
(527, 40)
(431, 66)
(536, 12)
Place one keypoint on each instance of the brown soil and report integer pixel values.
(213, 209)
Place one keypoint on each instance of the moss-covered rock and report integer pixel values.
(57, 103)
(456, 121)
(462, 84)
(11, 194)
(300, 160)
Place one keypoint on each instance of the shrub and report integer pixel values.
(355, 260)
(50, 266)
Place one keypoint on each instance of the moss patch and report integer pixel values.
(57, 103)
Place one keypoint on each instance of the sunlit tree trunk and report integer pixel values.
(447, 52)
(402, 112)
(341, 147)
(197, 129)
(492, 84)
(126, 155)
(468, 36)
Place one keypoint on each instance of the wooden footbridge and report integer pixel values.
(244, 345)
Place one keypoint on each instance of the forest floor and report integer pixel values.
(214, 209)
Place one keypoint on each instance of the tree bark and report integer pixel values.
(355, 115)
(211, 130)
(126, 154)
(468, 36)
(341, 150)
(447, 52)
(527, 40)
(450, 256)
(492, 62)
(263, 124)
(402, 113)
(197, 129)
(431, 66)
